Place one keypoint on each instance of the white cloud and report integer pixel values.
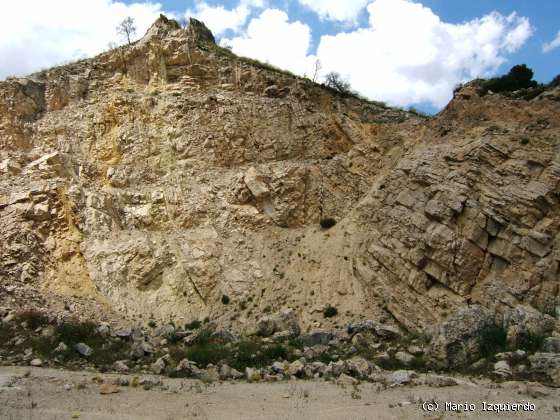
(270, 37)
(383, 60)
(347, 10)
(36, 34)
(220, 19)
(555, 43)
(408, 55)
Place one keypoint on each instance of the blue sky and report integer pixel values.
(404, 52)
(544, 16)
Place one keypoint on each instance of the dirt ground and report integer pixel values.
(45, 394)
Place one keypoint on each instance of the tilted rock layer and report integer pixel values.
(154, 179)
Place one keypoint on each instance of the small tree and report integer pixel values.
(522, 75)
(318, 68)
(335, 81)
(519, 77)
(126, 28)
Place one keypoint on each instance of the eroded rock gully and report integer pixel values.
(153, 179)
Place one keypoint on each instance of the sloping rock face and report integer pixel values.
(154, 179)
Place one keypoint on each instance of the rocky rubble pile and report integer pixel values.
(363, 351)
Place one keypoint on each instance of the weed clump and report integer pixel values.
(330, 311)
(33, 319)
(492, 340)
(327, 222)
(530, 342)
(193, 325)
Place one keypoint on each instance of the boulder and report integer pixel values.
(315, 351)
(456, 341)
(120, 366)
(38, 212)
(235, 374)
(361, 326)
(104, 329)
(401, 377)
(227, 372)
(278, 367)
(252, 374)
(256, 184)
(544, 362)
(166, 330)
(211, 374)
(512, 356)
(318, 368)
(296, 368)
(345, 379)
(384, 331)
(271, 91)
(285, 320)
(415, 350)
(61, 348)
(502, 369)
(188, 368)
(266, 326)
(137, 350)
(7, 381)
(358, 367)
(158, 366)
(83, 349)
(316, 337)
(551, 345)
(337, 368)
(223, 336)
(524, 322)
(361, 340)
(387, 332)
(439, 381)
(124, 332)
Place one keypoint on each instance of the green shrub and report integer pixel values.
(519, 77)
(194, 325)
(33, 319)
(417, 112)
(492, 340)
(327, 222)
(107, 352)
(75, 332)
(530, 342)
(205, 353)
(330, 311)
(532, 93)
(418, 363)
(225, 299)
(554, 82)
(256, 354)
(5, 332)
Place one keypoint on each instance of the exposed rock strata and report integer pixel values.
(155, 179)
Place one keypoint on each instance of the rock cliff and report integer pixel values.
(173, 180)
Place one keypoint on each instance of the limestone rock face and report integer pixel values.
(157, 178)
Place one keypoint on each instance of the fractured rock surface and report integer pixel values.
(155, 179)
